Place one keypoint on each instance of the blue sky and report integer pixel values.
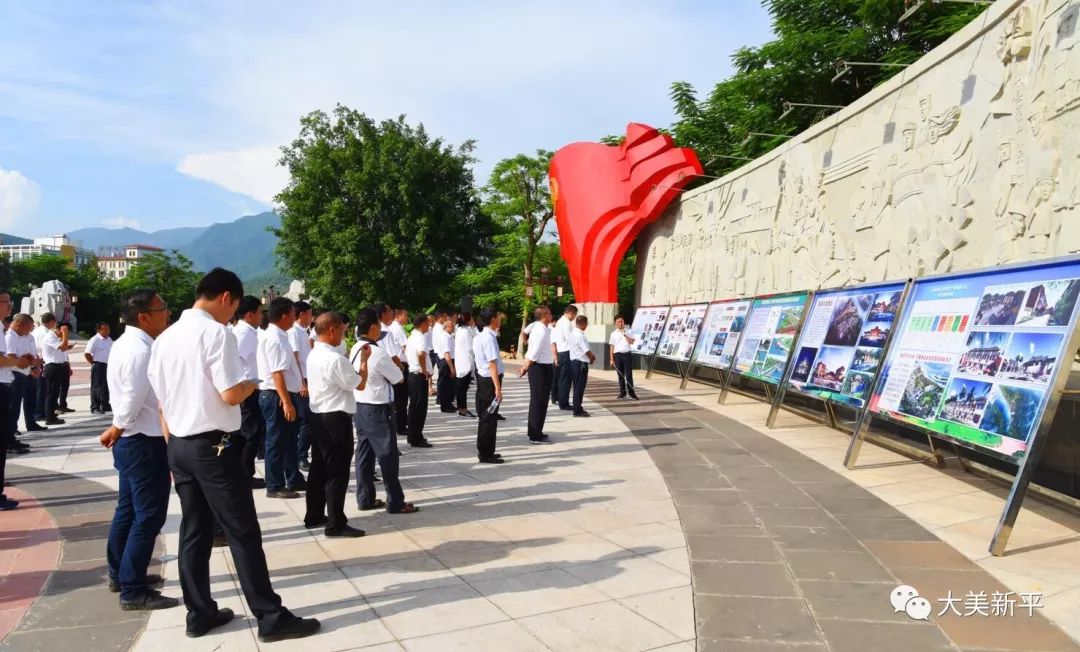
(155, 114)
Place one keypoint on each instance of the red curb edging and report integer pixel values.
(29, 553)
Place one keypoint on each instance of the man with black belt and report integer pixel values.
(331, 383)
(580, 359)
(23, 390)
(97, 354)
(538, 365)
(54, 353)
(196, 373)
(6, 378)
(489, 375)
(374, 420)
(622, 359)
(419, 373)
(252, 423)
(442, 342)
(560, 337)
(279, 391)
(140, 456)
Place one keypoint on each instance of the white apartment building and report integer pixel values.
(119, 264)
(53, 245)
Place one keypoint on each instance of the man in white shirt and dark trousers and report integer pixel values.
(300, 340)
(140, 456)
(23, 389)
(561, 339)
(580, 359)
(47, 324)
(463, 363)
(54, 352)
(539, 361)
(374, 420)
(97, 354)
(196, 373)
(392, 323)
(278, 395)
(489, 375)
(622, 359)
(252, 423)
(331, 383)
(419, 372)
(442, 341)
(6, 378)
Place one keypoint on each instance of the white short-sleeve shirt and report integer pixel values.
(99, 347)
(463, 354)
(485, 351)
(416, 346)
(134, 404)
(539, 347)
(619, 342)
(276, 354)
(247, 344)
(331, 381)
(301, 344)
(579, 345)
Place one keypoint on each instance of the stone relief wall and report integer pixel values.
(969, 158)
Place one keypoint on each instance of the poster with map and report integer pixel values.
(647, 328)
(766, 341)
(841, 344)
(724, 323)
(976, 355)
(681, 331)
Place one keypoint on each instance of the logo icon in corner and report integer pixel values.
(907, 599)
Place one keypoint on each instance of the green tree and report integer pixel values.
(798, 66)
(172, 275)
(377, 211)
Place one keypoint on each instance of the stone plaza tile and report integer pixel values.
(769, 619)
(434, 611)
(644, 539)
(237, 636)
(767, 580)
(620, 578)
(856, 636)
(672, 609)
(677, 559)
(529, 594)
(372, 548)
(402, 575)
(345, 625)
(607, 626)
(533, 526)
(504, 636)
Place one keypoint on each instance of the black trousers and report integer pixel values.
(444, 388)
(488, 423)
(5, 425)
(580, 372)
(566, 379)
(461, 389)
(540, 376)
(331, 460)
(213, 488)
(54, 381)
(253, 430)
(418, 407)
(65, 385)
(18, 390)
(41, 400)
(401, 403)
(99, 386)
(624, 368)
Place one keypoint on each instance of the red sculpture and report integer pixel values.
(604, 196)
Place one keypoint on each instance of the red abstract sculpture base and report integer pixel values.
(604, 196)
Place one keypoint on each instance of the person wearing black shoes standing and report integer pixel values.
(489, 376)
(278, 395)
(54, 353)
(6, 378)
(442, 341)
(464, 333)
(20, 344)
(560, 337)
(300, 341)
(418, 359)
(65, 378)
(539, 362)
(140, 456)
(196, 373)
(96, 353)
(331, 383)
(252, 423)
(580, 359)
(622, 359)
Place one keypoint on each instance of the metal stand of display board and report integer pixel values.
(717, 382)
(830, 409)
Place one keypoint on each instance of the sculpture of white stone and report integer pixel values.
(53, 297)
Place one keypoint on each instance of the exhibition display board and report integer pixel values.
(647, 328)
(771, 326)
(723, 324)
(681, 332)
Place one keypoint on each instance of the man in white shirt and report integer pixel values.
(278, 395)
(252, 424)
(580, 359)
(301, 345)
(463, 362)
(560, 337)
(139, 455)
(196, 373)
(97, 354)
(374, 420)
(434, 320)
(539, 365)
(54, 348)
(622, 359)
(47, 324)
(489, 375)
(393, 342)
(23, 396)
(6, 378)
(442, 340)
(331, 383)
(419, 362)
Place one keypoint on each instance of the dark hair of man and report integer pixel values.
(464, 318)
(365, 319)
(247, 305)
(139, 301)
(344, 318)
(64, 325)
(301, 306)
(279, 307)
(327, 320)
(7, 320)
(582, 320)
(571, 310)
(618, 317)
(100, 324)
(47, 317)
(419, 319)
(265, 321)
(399, 312)
(485, 317)
(217, 282)
(539, 313)
(381, 308)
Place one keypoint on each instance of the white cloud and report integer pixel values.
(19, 197)
(120, 222)
(253, 171)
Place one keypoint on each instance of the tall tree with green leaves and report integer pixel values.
(171, 274)
(377, 211)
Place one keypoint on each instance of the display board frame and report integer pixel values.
(719, 369)
(1037, 441)
(680, 366)
(663, 323)
(785, 388)
(732, 370)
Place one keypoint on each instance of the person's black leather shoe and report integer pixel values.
(197, 629)
(316, 522)
(152, 579)
(583, 413)
(347, 532)
(289, 627)
(421, 444)
(149, 601)
(491, 460)
(54, 422)
(282, 493)
(258, 483)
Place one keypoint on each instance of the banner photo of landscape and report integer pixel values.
(976, 355)
(647, 328)
(765, 345)
(724, 323)
(681, 332)
(842, 341)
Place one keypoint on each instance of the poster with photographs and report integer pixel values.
(681, 332)
(976, 355)
(647, 328)
(724, 323)
(766, 343)
(840, 348)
